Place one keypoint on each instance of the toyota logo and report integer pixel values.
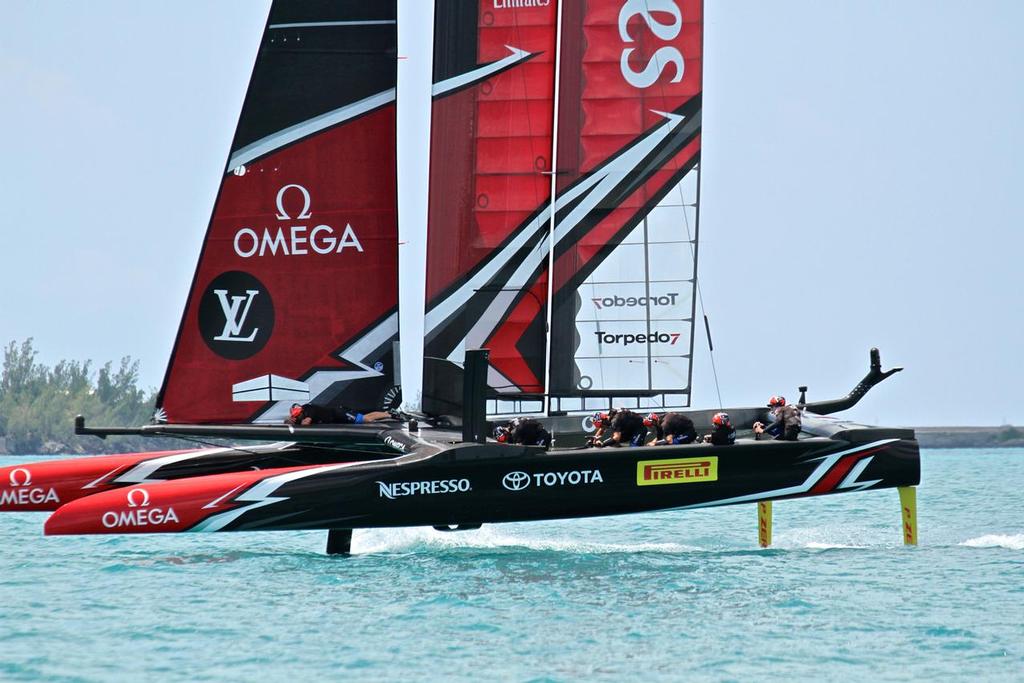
(516, 481)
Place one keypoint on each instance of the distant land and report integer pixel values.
(38, 403)
(970, 437)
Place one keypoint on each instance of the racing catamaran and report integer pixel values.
(560, 236)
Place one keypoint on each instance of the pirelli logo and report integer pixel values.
(685, 471)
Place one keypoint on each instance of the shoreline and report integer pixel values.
(1004, 436)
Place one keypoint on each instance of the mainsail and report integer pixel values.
(580, 151)
(295, 294)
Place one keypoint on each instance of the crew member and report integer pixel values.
(601, 422)
(317, 414)
(653, 424)
(787, 421)
(672, 429)
(523, 430)
(722, 431)
(627, 428)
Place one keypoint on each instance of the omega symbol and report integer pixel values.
(138, 498)
(27, 477)
(282, 214)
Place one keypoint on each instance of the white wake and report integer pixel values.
(1014, 542)
(404, 540)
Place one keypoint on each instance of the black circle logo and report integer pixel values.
(236, 315)
(392, 399)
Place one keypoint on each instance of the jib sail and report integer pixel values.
(295, 293)
(581, 150)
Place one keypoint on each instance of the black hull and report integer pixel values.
(470, 484)
(746, 473)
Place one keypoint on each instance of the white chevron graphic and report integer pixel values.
(261, 495)
(850, 480)
(304, 129)
(826, 464)
(480, 73)
(357, 354)
(593, 190)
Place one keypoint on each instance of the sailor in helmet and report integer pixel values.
(601, 422)
(671, 429)
(786, 421)
(523, 430)
(627, 428)
(317, 414)
(722, 431)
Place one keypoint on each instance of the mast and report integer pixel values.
(549, 301)
(696, 247)
(415, 62)
(693, 301)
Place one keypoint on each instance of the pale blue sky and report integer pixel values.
(861, 187)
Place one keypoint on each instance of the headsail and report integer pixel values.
(295, 294)
(625, 146)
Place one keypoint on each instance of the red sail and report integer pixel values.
(491, 144)
(629, 126)
(295, 293)
(624, 228)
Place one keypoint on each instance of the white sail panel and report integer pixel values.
(634, 315)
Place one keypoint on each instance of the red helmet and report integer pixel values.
(776, 401)
(721, 420)
(601, 419)
(651, 420)
(501, 434)
(296, 411)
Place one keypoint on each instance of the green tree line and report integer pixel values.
(38, 404)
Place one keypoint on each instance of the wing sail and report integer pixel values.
(295, 292)
(491, 149)
(582, 151)
(626, 248)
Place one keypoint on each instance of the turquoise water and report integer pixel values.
(666, 596)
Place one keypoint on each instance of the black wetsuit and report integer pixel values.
(723, 436)
(529, 432)
(786, 426)
(679, 426)
(630, 427)
(323, 415)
